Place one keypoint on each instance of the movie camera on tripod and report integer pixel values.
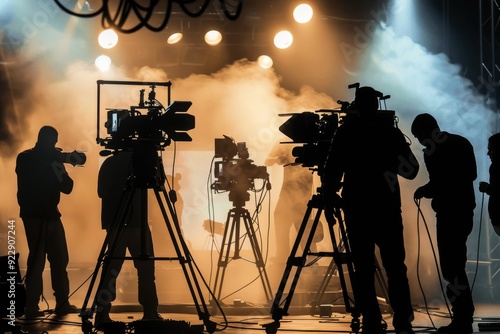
(315, 130)
(144, 135)
(235, 173)
(156, 125)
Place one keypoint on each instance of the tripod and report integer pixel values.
(330, 272)
(232, 235)
(146, 172)
(298, 261)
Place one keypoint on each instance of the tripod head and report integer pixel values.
(146, 166)
(239, 197)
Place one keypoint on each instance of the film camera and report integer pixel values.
(74, 158)
(156, 125)
(235, 173)
(315, 130)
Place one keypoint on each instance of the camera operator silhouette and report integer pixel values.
(41, 178)
(493, 187)
(451, 165)
(369, 153)
(112, 181)
(296, 190)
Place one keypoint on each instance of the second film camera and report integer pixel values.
(315, 130)
(235, 173)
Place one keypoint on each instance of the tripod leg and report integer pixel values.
(347, 259)
(324, 284)
(296, 261)
(185, 258)
(259, 260)
(108, 246)
(224, 255)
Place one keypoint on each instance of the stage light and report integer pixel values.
(174, 31)
(265, 61)
(103, 63)
(303, 13)
(175, 38)
(108, 39)
(283, 39)
(213, 37)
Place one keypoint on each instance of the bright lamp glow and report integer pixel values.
(108, 39)
(213, 37)
(283, 39)
(103, 63)
(265, 61)
(175, 38)
(303, 13)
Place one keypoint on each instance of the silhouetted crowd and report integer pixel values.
(366, 158)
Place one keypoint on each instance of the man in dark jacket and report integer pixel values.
(368, 153)
(451, 165)
(41, 178)
(492, 188)
(113, 180)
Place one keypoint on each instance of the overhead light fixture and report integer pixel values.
(108, 39)
(213, 37)
(103, 63)
(283, 39)
(303, 13)
(175, 38)
(265, 61)
(175, 31)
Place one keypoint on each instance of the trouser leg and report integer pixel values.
(35, 235)
(148, 297)
(392, 253)
(57, 254)
(453, 258)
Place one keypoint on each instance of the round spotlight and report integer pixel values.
(283, 39)
(103, 63)
(265, 61)
(175, 38)
(303, 13)
(213, 37)
(108, 39)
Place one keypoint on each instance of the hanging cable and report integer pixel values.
(478, 244)
(420, 213)
(138, 16)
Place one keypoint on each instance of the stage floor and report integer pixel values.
(234, 321)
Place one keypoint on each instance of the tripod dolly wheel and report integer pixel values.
(272, 327)
(355, 325)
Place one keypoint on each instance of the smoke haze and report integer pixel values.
(47, 85)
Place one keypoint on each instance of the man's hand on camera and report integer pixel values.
(484, 187)
(331, 204)
(419, 193)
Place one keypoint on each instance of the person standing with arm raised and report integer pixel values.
(41, 178)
